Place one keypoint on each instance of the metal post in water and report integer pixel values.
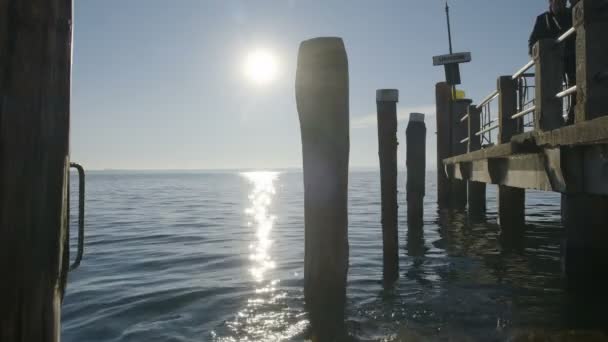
(415, 136)
(35, 70)
(386, 101)
(322, 97)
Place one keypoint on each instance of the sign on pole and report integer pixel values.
(459, 57)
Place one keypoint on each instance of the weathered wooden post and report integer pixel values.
(511, 201)
(476, 190)
(549, 65)
(443, 94)
(386, 101)
(584, 215)
(591, 23)
(322, 98)
(415, 136)
(458, 188)
(35, 69)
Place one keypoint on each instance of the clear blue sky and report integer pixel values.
(159, 84)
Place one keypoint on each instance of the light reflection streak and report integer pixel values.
(263, 221)
(267, 315)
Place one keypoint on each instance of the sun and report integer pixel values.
(261, 66)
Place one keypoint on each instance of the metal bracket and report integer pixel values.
(81, 188)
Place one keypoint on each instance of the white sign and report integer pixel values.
(459, 57)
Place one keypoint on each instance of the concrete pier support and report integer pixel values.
(460, 131)
(416, 169)
(322, 97)
(35, 76)
(451, 193)
(511, 209)
(386, 101)
(511, 201)
(476, 191)
(585, 219)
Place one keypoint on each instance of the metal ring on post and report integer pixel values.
(80, 252)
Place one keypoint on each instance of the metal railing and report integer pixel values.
(488, 122)
(526, 101)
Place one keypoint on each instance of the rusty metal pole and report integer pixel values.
(386, 102)
(322, 100)
(35, 70)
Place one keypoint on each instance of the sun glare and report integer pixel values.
(261, 67)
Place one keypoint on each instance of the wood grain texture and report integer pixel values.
(322, 97)
(35, 67)
(387, 153)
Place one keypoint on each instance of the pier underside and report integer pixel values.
(572, 159)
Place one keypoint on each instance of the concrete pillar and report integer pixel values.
(549, 76)
(386, 101)
(35, 75)
(511, 201)
(476, 191)
(507, 107)
(511, 209)
(591, 22)
(322, 97)
(460, 130)
(416, 169)
(585, 219)
(444, 146)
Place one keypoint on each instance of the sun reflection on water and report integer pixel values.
(262, 221)
(271, 313)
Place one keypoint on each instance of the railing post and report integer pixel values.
(476, 190)
(386, 102)
(591, 22)
(584, 215)
(35, 77)
(511, 201)
(507, 107)
(549, 76)
(322, 100)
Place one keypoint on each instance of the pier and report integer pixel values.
(517, 139)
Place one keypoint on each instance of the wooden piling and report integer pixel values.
(35, 68)
(322, 97)
(416, 169)
(442, 102)
(511, 201)
(476, 190)
(386, 102)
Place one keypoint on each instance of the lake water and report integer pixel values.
(218, 256)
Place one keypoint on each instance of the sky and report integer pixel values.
(159, 84)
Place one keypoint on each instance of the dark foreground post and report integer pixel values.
(415, 136)
(476, 190)
(586, 258)
(35, 68)
(386, 101)
(511, 201)
(322, 101)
